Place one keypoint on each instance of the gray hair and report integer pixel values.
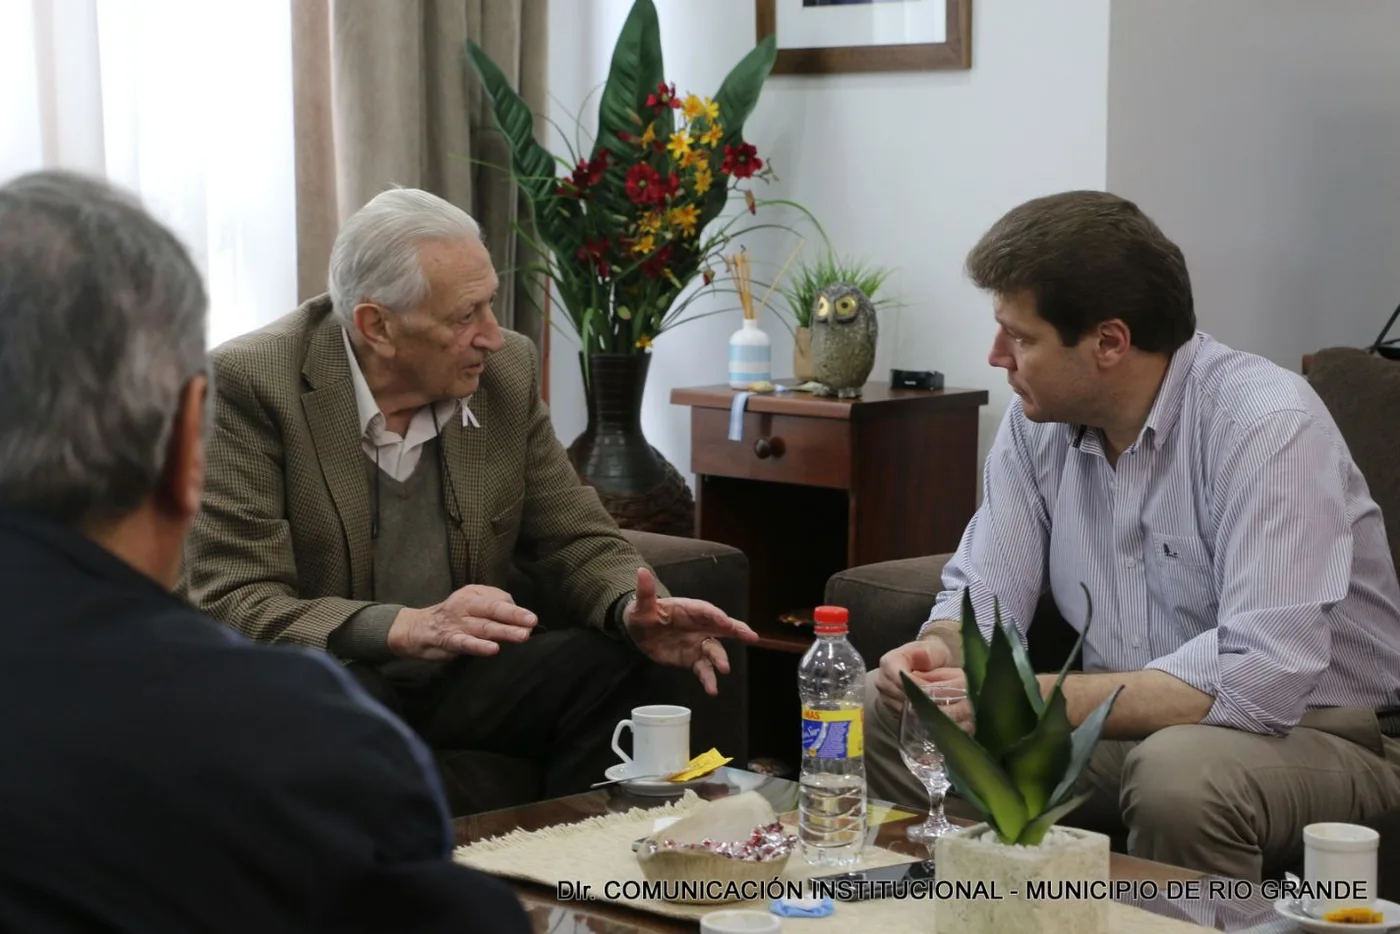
(102, 318)
(375, 256)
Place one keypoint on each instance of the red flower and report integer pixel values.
(593, 252)
(664, 96)
(586, 174)
(668, 188)
(644, 184)
(655, 266)
(741, 161)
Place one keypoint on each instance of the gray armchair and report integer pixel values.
(479, 781)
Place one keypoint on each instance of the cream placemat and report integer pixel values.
(598, 850)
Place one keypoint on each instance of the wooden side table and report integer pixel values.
(818, 485)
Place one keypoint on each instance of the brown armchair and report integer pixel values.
(888, 601)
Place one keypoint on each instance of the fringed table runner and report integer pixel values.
(598, 850)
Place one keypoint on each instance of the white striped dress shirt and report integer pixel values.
(1234, 546)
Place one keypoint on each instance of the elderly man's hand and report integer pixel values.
(681, 632)
(471, 621)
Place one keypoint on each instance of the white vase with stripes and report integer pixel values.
(750, 356)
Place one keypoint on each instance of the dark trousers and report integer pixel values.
(550, 704)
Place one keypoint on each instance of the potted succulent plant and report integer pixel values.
(801, 292)
(1018, 769)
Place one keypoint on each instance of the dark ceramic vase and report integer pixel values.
(639, 488)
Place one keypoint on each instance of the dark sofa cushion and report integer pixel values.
(1362, 391)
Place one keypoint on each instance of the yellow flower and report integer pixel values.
(711, 110)
(692, 157)
(648, 137)
(703, 179)
(713, 135)
(650, 222)
(644, 245)
(644, 341)
(679, 144)
(692, 107)
(685, 217)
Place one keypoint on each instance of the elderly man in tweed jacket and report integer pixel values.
(372, 479)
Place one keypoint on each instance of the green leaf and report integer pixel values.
(962, 789)
(978, 771)
(1078, 643)
(1037, 763)
(975, 651)
(1086, 736)
(1005, 714)
(635, 71)
(534, 165)
(1029, 684)
(556, 219)
(1035, 831)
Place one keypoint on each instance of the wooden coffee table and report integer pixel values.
(549, 914)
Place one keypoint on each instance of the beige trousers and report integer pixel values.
(1217, 800)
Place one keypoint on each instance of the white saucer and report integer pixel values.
(1318, 926)
(655, 787)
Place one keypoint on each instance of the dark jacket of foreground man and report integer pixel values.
(159, 772)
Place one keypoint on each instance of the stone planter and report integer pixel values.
(1059, 871)
(802, 355)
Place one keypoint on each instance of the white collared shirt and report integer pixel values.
(397, 455)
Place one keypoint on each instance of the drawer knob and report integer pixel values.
(769, 447)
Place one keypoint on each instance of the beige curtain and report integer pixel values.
(384, 96)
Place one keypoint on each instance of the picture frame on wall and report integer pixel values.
(823, 37)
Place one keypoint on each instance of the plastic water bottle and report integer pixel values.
(831, 802)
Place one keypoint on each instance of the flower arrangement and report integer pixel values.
(1020, 766)
(628, 227)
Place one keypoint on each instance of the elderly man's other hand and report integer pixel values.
(682, 632)
(471, 621)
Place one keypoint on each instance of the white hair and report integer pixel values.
(375, 256)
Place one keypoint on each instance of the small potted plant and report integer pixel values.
(801, 292)
(1018, 769)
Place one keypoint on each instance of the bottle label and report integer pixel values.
(833, 734)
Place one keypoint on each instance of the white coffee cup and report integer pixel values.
(740, 921)
(660, 740)
(1338, 858)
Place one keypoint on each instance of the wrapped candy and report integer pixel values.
(766, 843)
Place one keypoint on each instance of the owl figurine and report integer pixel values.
(844, 330)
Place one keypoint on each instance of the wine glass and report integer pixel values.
(921, 756)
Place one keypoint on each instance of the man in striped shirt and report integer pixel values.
(1243, 590)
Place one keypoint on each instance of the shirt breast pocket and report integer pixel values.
(1184, 600)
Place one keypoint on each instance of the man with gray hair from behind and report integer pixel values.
(163, 773)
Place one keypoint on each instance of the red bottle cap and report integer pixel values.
(831, 620)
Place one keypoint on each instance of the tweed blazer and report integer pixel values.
(281, 548)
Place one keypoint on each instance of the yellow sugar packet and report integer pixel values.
(701, 764)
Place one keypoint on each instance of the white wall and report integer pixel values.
(1264, 136)
(903, 169)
